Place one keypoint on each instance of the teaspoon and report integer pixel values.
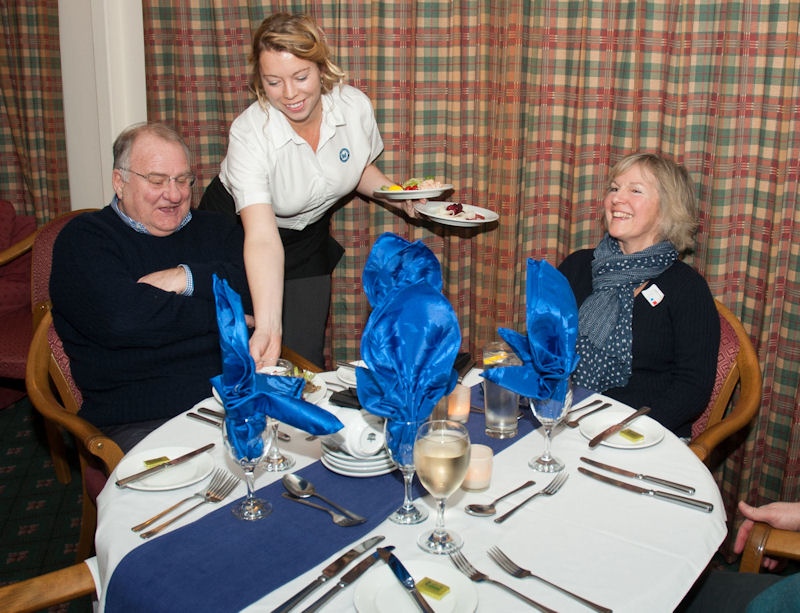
(484, 510)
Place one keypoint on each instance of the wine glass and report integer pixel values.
(276, 460)
(244, 440)
(399, 436)
(441, 454)
(550, 411)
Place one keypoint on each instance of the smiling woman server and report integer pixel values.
(308, 142)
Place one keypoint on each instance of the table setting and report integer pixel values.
(486, 521)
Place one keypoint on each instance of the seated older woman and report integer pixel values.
(648, 326)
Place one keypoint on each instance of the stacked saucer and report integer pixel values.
(339, 461)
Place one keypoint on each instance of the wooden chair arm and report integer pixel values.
(298, 360)
(766, 540)
(47, 590)
(17, 249)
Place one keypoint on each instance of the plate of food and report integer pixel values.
(383, 593)
(315, 387)
(641, 432)
(415, 188)
(183, 474)
(456, 213)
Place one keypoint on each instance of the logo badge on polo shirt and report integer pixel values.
(344, 154)
(653, 295)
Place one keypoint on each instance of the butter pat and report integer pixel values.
(631, 435)
(156, 461)
(432, 588)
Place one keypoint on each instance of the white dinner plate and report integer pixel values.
(413, 194)
(183, 474)
(352, 472)
(593, 425)
(348, 375)
(381, 592)
(313, 397)
(318, 394)
(436, 211)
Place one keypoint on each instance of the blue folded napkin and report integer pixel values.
(548, 352)
(410, 341)
(248, 396)
(394, 262)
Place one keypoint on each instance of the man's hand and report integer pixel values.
(781, 515)
(169, 280)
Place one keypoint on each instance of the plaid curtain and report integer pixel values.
(33, 153)
(524, 105)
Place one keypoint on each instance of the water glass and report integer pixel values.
(501, 406)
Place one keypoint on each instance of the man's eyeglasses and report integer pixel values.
(156, 179)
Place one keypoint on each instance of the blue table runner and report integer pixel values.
(221, 563)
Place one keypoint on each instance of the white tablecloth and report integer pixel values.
(622, 550)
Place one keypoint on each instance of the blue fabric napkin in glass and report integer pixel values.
(393, 263)
(548, 351)
(248, 396)
(409, 345)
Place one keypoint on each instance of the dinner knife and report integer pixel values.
(155, 469)
(328, 572)
(617, 427)
(346, 579)
(689, 502)
(629, 473)
(404, 577)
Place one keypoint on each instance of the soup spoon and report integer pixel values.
(484, 510)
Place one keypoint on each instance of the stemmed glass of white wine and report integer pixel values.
(441, 455)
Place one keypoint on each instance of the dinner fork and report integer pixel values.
(512, 568)
(216, 480)
(551, 489)
(216, 495)
(474, 574)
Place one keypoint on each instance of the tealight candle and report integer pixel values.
(458, 403)
(479, 471)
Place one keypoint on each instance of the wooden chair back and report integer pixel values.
(737, 365)
(49, 384)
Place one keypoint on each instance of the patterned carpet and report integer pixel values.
(39, 517)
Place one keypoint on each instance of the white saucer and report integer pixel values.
(183, 474)
(381, 592)
(593, 425)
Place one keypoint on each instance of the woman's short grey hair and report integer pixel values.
(676, 197)
(124, 142)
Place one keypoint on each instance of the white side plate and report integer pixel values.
(593, 425)
(183, 474)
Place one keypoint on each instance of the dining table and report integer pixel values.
(622, 550)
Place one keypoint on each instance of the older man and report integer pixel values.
(131, 287)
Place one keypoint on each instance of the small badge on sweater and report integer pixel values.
(653, 295)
